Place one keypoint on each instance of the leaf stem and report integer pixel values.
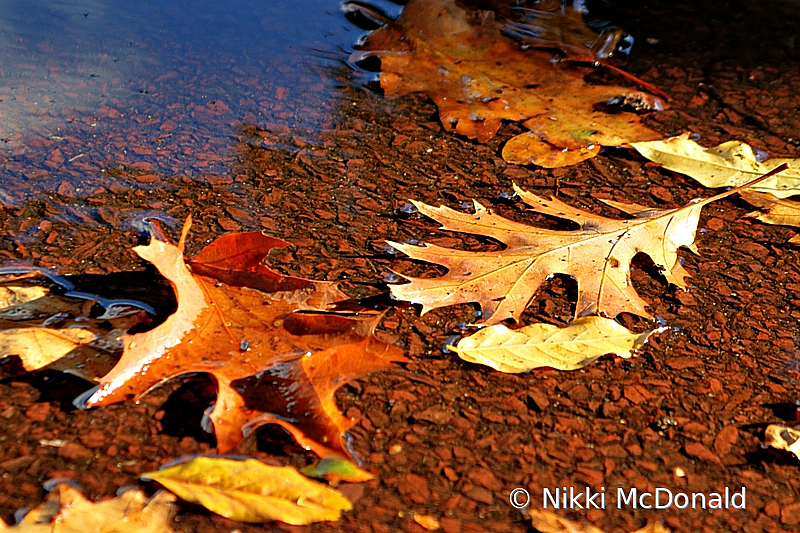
(725, 194)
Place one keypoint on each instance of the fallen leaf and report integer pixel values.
(543, 345)
(250, 491)
(11, 296)
(598, 256)
(238, 321)
(783, 438)
(547, 522)
(730, 164)
(778, 211)
(57, 332)
(336, 470)
(66, 511)
(427, 521)
(478, 78)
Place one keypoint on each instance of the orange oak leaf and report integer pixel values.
(598, 256)
(277, 355)
(478, 78)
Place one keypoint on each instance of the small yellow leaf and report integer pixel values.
(38, 347)
(336, 470)
(66, 511)
(728, 165)
(250, 491)
(529, 149)
(544, 345)
(427, 521)
(783, 438)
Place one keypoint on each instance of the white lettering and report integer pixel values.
(590, 499)
(743, 497)
(702, 496)
(641, 500)
(622, 500)
(715, 502)
(575, 499)
(553, 500)
(667, 493)
(685, 500)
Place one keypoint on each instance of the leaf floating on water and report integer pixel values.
(66, 511)
(451, 54)
(250, 491)
(730, 164)
(543, 345)
(238, 321)
(11, 296)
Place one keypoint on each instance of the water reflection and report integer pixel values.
(88, 87)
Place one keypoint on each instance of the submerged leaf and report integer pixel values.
(250, 491)
(549, 522)
(730, 164)
(478, 78)
(544, 345)
(238, 321)
(66, 511)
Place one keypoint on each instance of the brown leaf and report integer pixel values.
(66, 511)
(548, 522)
(598, 256)
(478, 78)
(239, 321)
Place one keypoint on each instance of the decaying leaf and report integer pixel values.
(336, 470)
(16, 295)
(543, 345)
(241, 322)
(779, 211)
(478, 78)
(250, 491)
(783, 438)
(66, 511)
(598, 256)
(730, 164)
(547, 522)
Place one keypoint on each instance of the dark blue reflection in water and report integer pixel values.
(91, 85)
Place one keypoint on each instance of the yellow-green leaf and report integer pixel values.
(336, 470)
(545, 345)
(730, 164)
(250, 491)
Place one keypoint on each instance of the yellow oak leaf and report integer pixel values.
(779, 211)
(730, 164)
(598, 256)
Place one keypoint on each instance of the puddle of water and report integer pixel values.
(90, 87)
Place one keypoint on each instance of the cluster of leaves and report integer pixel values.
(280, 346)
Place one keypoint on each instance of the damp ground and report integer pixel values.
(245, 116)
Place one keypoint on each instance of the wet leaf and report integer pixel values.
(336, 470)
(11, 296)
(598, 256)
(783, 438)
(478, 78)
(544, 345)
(778, 211)
(730, 164)
(242, 323)
(547, 522)
(54, 332)
(66, 511)
(250, 491)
